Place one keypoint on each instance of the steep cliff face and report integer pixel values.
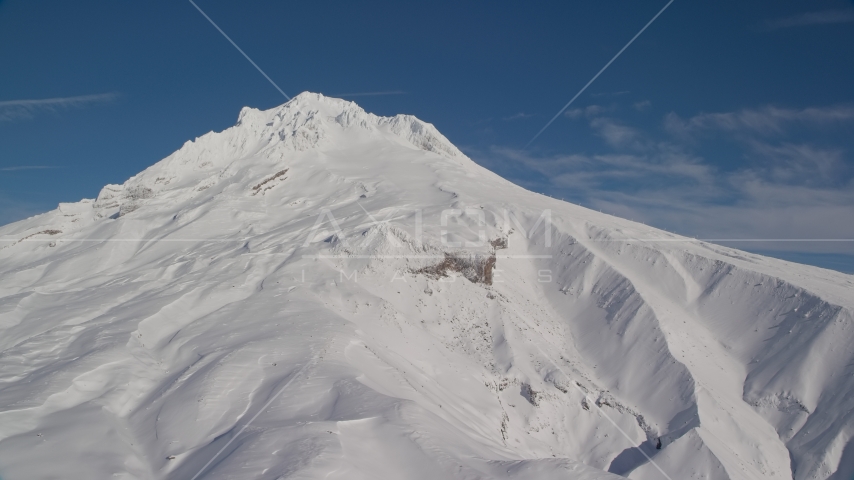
(318, 292)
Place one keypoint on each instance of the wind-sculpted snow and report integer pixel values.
(318, 292)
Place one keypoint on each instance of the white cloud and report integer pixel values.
(574, 113)
(589, 111)
(591, 172)
(781, 190)
(518, 116)
(802, 163)
(824, 17)
(11, 110)
(768, 120)
(610, 94)
(743, 205)
(617, 135)
(24, 167)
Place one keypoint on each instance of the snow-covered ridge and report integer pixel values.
(444, 330)
(309, 121)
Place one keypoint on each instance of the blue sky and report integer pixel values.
(726, 119)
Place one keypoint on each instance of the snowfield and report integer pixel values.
(319, 292)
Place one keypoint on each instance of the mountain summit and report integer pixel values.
(320, 292)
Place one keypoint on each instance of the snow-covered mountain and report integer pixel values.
(319, 292)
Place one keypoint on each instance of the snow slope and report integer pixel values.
(318, 292)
